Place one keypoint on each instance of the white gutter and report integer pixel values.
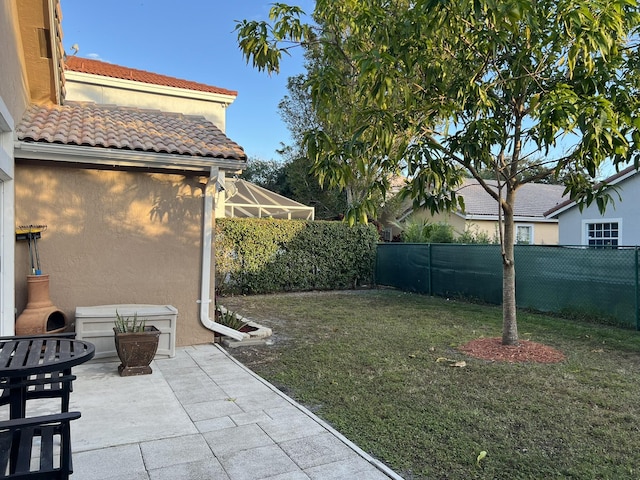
(207, 243)
(516, 218)
(119, 158)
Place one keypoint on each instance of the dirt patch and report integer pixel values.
(526, 351)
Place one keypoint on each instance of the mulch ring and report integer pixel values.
(526, 351)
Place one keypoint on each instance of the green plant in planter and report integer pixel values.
(128, 324)
(136, 344)
(229, 319)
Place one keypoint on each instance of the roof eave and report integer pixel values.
(516, 218)
(612, 180)
(55, 33)
(121, 158)
(123, 84)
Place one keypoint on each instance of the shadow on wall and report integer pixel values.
(112, 236)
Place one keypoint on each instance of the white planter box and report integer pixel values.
(95, 325)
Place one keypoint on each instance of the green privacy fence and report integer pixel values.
(584, 282)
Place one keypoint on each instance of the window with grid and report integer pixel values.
(524, 234)
(604, 234)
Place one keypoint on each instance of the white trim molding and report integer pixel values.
(121, 158)
(137, 86)
(7, 223)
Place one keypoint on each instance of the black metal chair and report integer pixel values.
(29, 447)
(44, 385)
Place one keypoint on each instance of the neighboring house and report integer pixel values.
(125, 168)
(618, 226)
(480, 215)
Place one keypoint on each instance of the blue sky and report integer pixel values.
(193, 40)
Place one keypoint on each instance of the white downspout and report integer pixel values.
(207, 241)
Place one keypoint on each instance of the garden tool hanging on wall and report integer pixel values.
(31, 233)
(40, 314)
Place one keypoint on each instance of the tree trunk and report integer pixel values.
(350, 196)
(509, 323)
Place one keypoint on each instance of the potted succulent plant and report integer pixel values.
(136, 344)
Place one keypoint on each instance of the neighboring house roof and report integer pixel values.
(126, 128)
(96, 67)
(246, 199)
(612, 180)
(532, 201)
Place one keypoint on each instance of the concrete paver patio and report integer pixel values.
(201, 415)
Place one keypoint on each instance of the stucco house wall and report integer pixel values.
(121, 188)
(544, 233)
(115, 237)
(13, 80)
(625, 211)
(457, 222)
(14, 98)
(481, 216)
(82, 87)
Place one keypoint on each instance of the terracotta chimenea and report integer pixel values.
(40, 315)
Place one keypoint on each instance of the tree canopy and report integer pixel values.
(435, 88)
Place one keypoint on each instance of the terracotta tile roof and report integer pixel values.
(532, 199)
(96, 67)
(126, 128)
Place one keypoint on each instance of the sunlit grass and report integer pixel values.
(366, 362)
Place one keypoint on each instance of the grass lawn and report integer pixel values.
(367, 362)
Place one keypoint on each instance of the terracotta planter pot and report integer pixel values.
(136, 351)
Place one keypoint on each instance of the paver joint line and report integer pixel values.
(170, 432)
(371, 460)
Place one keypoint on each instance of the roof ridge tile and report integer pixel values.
(106, 69)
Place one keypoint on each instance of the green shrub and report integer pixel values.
(476, 236)
(425, 232)
(267, 255)
(229, 319)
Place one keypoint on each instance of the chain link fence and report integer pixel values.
(600, 284)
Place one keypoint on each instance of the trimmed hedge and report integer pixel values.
(256, 255)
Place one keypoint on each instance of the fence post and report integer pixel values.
(637, 306)
(429, 246)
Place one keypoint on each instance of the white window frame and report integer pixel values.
(530, 226)
(591, 221)
(7, 222)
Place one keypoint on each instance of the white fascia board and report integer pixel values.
(122, 84)
(619, 179)
(516, 218)
(557, 212)
(615, 181)
(55, 58)
(120, 158)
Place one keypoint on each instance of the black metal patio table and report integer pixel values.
(21, 358)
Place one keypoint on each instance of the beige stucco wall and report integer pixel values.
(114, 237)
(13, 81)
(544, 233)
(128, 93)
